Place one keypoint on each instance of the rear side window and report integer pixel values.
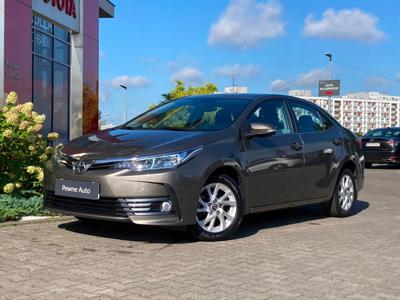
(394, 132)
(309, 119)
(272, 112)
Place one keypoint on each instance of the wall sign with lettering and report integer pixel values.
(63, 12)
(12, 70)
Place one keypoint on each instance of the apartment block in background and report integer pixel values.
(361, 112)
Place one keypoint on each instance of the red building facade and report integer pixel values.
(49, 54)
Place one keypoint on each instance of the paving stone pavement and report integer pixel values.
(289, 254)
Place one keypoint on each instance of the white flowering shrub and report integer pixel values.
(23, 150)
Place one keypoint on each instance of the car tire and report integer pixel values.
(344, 197)
(218, 213)
(368, 165)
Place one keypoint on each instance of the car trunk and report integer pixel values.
(378, 145)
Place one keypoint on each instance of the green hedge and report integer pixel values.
(25, 203)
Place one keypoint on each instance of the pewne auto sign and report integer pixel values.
(63, 12)
(329, 88)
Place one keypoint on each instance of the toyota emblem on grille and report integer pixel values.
(80, 166)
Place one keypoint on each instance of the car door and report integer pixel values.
(323, 148)
(274, 163)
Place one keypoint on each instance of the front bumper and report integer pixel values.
(139, 211)
(129, 196)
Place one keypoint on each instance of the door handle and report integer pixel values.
(337, 141)
(296, 146)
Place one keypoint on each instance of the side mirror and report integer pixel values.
(261, 129)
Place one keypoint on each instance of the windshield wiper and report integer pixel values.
(156, 128)
(173, 128)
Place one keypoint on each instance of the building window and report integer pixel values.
(51, 52)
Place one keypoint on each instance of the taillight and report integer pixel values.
(391, 142)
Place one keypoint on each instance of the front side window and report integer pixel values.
(273, 113)
(191, 114)
(309, 119)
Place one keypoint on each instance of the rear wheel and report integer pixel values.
(219, 211)
(345, 195)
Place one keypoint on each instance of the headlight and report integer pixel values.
(158, 162)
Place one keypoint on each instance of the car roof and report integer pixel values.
(245, 96)
(254, 97)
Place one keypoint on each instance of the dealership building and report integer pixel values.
(49, 53)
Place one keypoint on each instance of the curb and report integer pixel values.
(45, 220)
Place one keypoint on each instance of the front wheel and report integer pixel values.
(220, 210)
(345, 195)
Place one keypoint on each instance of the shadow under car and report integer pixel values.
(250, 225)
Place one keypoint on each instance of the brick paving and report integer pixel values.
(290, 254)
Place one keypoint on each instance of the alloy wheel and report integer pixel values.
(346, 192)
(217, 208)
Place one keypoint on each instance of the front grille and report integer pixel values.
(110, 207)
(67, 161)
(102, 207)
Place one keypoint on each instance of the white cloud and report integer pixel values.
(308, 79)
(130, 81)
(311, 78)
(345, 24)
(189, 75)
(102, 55)
(240, 71)
(277, 85)
(398, 76)
(377, 83)
(245, 23)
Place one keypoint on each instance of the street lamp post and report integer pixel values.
(329, 56)
(126, 101)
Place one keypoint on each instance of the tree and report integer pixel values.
(181, 90)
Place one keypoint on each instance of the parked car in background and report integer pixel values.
(382, 146)
(206, 161)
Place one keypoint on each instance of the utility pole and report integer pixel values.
(126, 101)
(330, 56)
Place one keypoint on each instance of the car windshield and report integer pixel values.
(191, 114)
(384, 133)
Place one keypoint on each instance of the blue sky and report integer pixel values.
(271, 46)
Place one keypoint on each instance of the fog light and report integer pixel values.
(166, 206)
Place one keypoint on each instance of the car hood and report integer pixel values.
(115, 143)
